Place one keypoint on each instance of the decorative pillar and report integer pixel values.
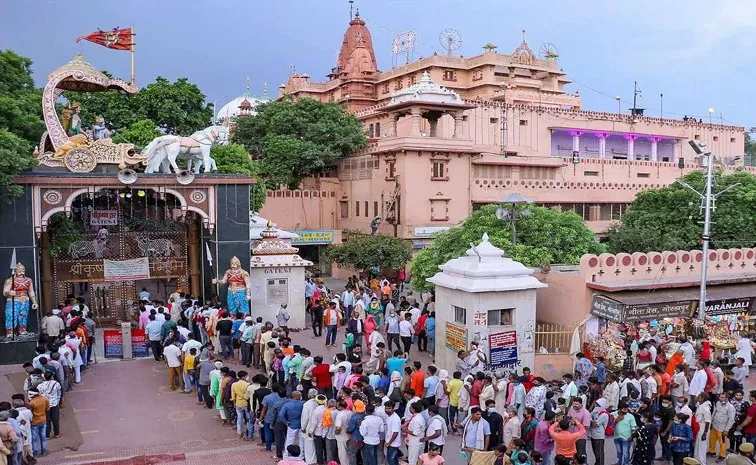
(576, 140)
(433, 123)
(631, 146)
(602, 144)
(48, 297)
(458, 128)
(655, 147)
(195, 284)
(417, 119)
(392, 124)
(675, 155)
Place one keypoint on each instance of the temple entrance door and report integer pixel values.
(102, 298)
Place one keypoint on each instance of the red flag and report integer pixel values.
(117, 39)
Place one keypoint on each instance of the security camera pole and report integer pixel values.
(708, 206)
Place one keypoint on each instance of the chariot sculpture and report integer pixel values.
(66, 145)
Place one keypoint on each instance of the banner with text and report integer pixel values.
(113, 341)
(456, 337)
(127, 270)
(104, 218)
(503, 347)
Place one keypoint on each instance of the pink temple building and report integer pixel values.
(448, 134)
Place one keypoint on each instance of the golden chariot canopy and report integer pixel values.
(80, 153)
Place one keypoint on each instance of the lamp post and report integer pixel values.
(510, 215)
(711, 110)
(619, 102)
(708, 206)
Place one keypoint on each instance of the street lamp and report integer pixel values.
(510, 215)
(618, 99)
(711, 110)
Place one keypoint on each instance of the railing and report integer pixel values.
(555, 338)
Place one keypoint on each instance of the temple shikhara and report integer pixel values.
(449, 133)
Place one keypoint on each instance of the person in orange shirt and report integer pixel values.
(82, 334)
(663, 380)
(417, 380)
(564, 440)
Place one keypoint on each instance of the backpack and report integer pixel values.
(632, 391)
(609, 428)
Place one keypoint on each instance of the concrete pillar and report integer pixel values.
(631, 146)
(48, 296)
(417, 119)
(576, 140)
(458, 128)
(602, 144)
(195, 283)
(392, 124)
(433, 123)
(654, 147)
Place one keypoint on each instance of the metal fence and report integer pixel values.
(555, 338)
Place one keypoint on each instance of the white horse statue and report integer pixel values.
(163, 151)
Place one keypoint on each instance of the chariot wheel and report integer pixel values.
(80, 160)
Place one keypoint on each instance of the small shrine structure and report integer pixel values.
(486, 298)
(277, 276)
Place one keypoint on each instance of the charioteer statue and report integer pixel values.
(238, 294)
(19, 293)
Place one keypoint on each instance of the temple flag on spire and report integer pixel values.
(117, 39)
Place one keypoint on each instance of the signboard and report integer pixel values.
(139, 344)
(606, 308)
(503, 347)
(104, 218)
(113, 343)
(126, 270)
(645, 312)
(428, 231)
(729, 306)
(313, 237)
(456, 337)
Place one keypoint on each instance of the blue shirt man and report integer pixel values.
(354, 426)
(430, 384)
(392, 324)
(270, 401)
(395, 364)
(153, 329)
(291, 414)
(309, 289)
(235, 328)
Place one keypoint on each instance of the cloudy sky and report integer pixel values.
(698, 53)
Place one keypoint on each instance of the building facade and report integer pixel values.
(449, 134)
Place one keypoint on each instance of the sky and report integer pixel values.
(699, 54)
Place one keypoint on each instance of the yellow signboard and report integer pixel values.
(456, 337)
(312, 237)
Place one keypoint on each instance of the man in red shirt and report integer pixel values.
(529, 383)
(711, 380)
(476, 389)
(321, 377)
(748, 427)
(417, 380)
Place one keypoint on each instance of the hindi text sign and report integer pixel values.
(104, 218)
(503, 348)
(456, 337)
(127, 270)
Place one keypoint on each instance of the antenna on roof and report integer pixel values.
(351, 6)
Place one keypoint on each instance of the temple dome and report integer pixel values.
(245, 101)
(360, 64)
(426, 91)
(356, 35)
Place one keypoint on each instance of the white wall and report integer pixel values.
(523, 322)
(267, 306)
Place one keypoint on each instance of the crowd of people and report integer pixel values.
(381, 405)
(29, 418)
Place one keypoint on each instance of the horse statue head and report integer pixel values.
(218, 134)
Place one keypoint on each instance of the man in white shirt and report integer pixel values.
(436, 431)
(340, 424)
(698, 382)
(309, 442)
(415, 312)
(393, 434)
(651, 383)
(173, 359)
(24, 418)
(415, 432)
(370, 429)
(191, 343)
(679, 386)
(409, 394)
(53, 326)
(703, 417)
(315, 428)
(406, 331)
(688, 351)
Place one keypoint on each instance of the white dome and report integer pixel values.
(231, 109)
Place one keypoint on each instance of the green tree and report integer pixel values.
(20, 120)
(234, 159)
(140, 133)
(297, 138)
(363, 252)
(749, 150)
(670, 218)
(543, 235)
(175, 107)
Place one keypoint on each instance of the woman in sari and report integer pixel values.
(376, 309)
(368, 328)
(675, 360)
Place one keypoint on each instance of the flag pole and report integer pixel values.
(133, 77)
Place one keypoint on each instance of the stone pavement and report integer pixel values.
(127, 415)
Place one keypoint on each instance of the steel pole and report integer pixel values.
(705, 237)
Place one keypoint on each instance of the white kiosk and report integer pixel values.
(488, 298)
(277, 276)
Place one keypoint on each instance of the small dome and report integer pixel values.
(245, 104)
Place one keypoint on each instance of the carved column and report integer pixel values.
(458, 128)
(392, 124)
(195, 286)
(576, 140)
(48, 296)
(655, 147)
(433, 123)
(602, 144)
(417, 119)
